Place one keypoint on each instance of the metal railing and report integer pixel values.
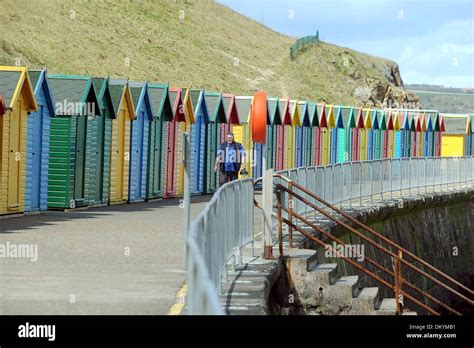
(218, 235)
(365, 182)
(401, 257)
(215, 241)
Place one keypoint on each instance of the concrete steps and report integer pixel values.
(320, 291)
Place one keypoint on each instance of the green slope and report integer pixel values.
(182, 42)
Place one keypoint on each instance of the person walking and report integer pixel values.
(230, 157)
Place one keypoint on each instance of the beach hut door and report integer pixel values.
(14, 158)
(80, 157)
(36, 158)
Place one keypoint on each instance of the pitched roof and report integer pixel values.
(390, 121)
(383, 121)
(284, 105)
(215, 107)
(344, 114)
(140, 95)
(375, 119)
(359, 119)
(243, 104)
(73, 92)
(458, 124)
(304, 114)
(323, 122)
(295, 113)
(274, 111)
(199, 104)
(313, 114)
(13, 81)
(188, 105)
(177, 105)
(34, 77)
(119, 90)
(368, 119)
(2, 105)
(230, 109)
(160, 101)
(40, 82)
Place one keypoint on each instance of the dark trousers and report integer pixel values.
(227, 177)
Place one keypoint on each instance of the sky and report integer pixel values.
(431, 40)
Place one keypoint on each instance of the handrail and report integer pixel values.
(397, 257)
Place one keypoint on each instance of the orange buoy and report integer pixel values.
(258, 121)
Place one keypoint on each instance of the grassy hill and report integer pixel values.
(182, 42)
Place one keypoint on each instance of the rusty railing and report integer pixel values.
(401, 257)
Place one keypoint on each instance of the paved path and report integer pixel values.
(114, 260)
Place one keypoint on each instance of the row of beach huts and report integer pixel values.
(77, 141)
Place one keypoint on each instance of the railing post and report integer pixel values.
(360, 184)
(350, 186)
(399, 298)
(401, 176)
(409, 177)
(280, 223)
(397, 286)
(391, 177)
(290, 215)
(371, 184)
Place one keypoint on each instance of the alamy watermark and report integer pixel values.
(352, 251)
(24, 251)
(75, 108)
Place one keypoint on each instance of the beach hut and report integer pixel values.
(173, 141)
(139, 137)
(182, 128)
(122, 117)
(296, 135)
(242, 130)
(217, 117)
(428, 135)
(101, 145)
(404, 122)
(369, 133)
(198, 140)
(18, 101)
(354, 125)
(162, 111)
(436, 135)
(343, 120)
(377, 134)
(472, 136)
(330, 115)
(384, 130)
(413, 133)
(397, 135)
(231, 113)
(311, 134)
(304, 148)
(37, 146)
(271, 135)
(72, 142)
(456, 136)
(390, 134)
(324, 137)
(360, 122)
(280, 141)
(442, 129)
(287, 134)
(419, 134)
